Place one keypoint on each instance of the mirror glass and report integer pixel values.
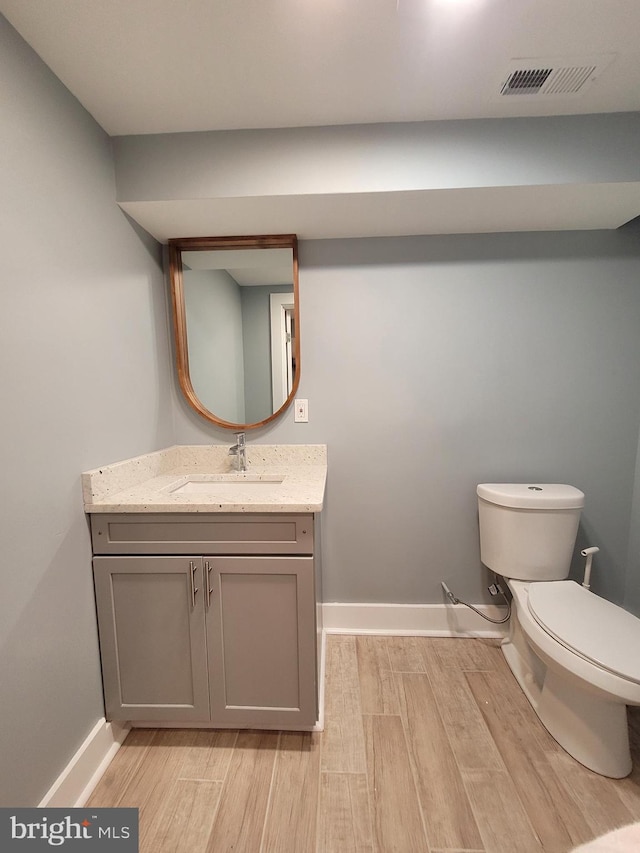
(236, 325)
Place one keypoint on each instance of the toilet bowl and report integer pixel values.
(581, 702)
(574, 654)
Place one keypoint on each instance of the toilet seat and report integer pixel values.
(590, 626)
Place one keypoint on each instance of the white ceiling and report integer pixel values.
(161, 66)
(155, 66)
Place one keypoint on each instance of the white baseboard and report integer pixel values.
(74, 785)
(426, 620)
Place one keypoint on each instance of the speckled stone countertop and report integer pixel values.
(201, 478)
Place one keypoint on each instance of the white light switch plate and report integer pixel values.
(301, 411)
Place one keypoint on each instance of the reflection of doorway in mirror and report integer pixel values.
(291, 348)
(283, 332)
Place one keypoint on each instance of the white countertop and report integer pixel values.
(279, 478)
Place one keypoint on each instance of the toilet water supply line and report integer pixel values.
(496, 589)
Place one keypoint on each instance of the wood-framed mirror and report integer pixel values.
(236, 325)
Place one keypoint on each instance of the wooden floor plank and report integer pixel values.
(209, 756)
(458, 653)
(596, 798)
(149, 785)
(501, 818)
(397, 818)
(405, 654)
(377, 685)
(119, 773)
(344, 814)
(163, 760)
(525, 745)
(293, 805)
(466, 728)
(185, 823)
(241, 814)
(343, 736)
(446, 810)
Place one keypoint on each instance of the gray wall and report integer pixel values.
(214, 330)
(378, 157)
(432, 364)
(632, 588)
(85, 372)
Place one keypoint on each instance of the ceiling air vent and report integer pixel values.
(527, 77)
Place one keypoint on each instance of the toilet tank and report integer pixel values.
(528, 531)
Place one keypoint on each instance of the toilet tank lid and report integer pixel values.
(532, 495)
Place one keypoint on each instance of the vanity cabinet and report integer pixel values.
(208, 618)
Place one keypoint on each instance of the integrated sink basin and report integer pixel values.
(224, 486)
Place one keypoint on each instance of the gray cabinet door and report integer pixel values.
(261, 641)
(152, 637)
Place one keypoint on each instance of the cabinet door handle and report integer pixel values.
(207, 576)
(194, 588)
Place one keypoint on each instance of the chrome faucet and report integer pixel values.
(239, 450)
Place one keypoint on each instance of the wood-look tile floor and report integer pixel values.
(429, 745)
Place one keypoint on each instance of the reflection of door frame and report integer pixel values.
(281, 349)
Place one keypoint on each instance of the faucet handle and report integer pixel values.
(240, 439)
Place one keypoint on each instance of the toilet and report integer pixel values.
(575, 655)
